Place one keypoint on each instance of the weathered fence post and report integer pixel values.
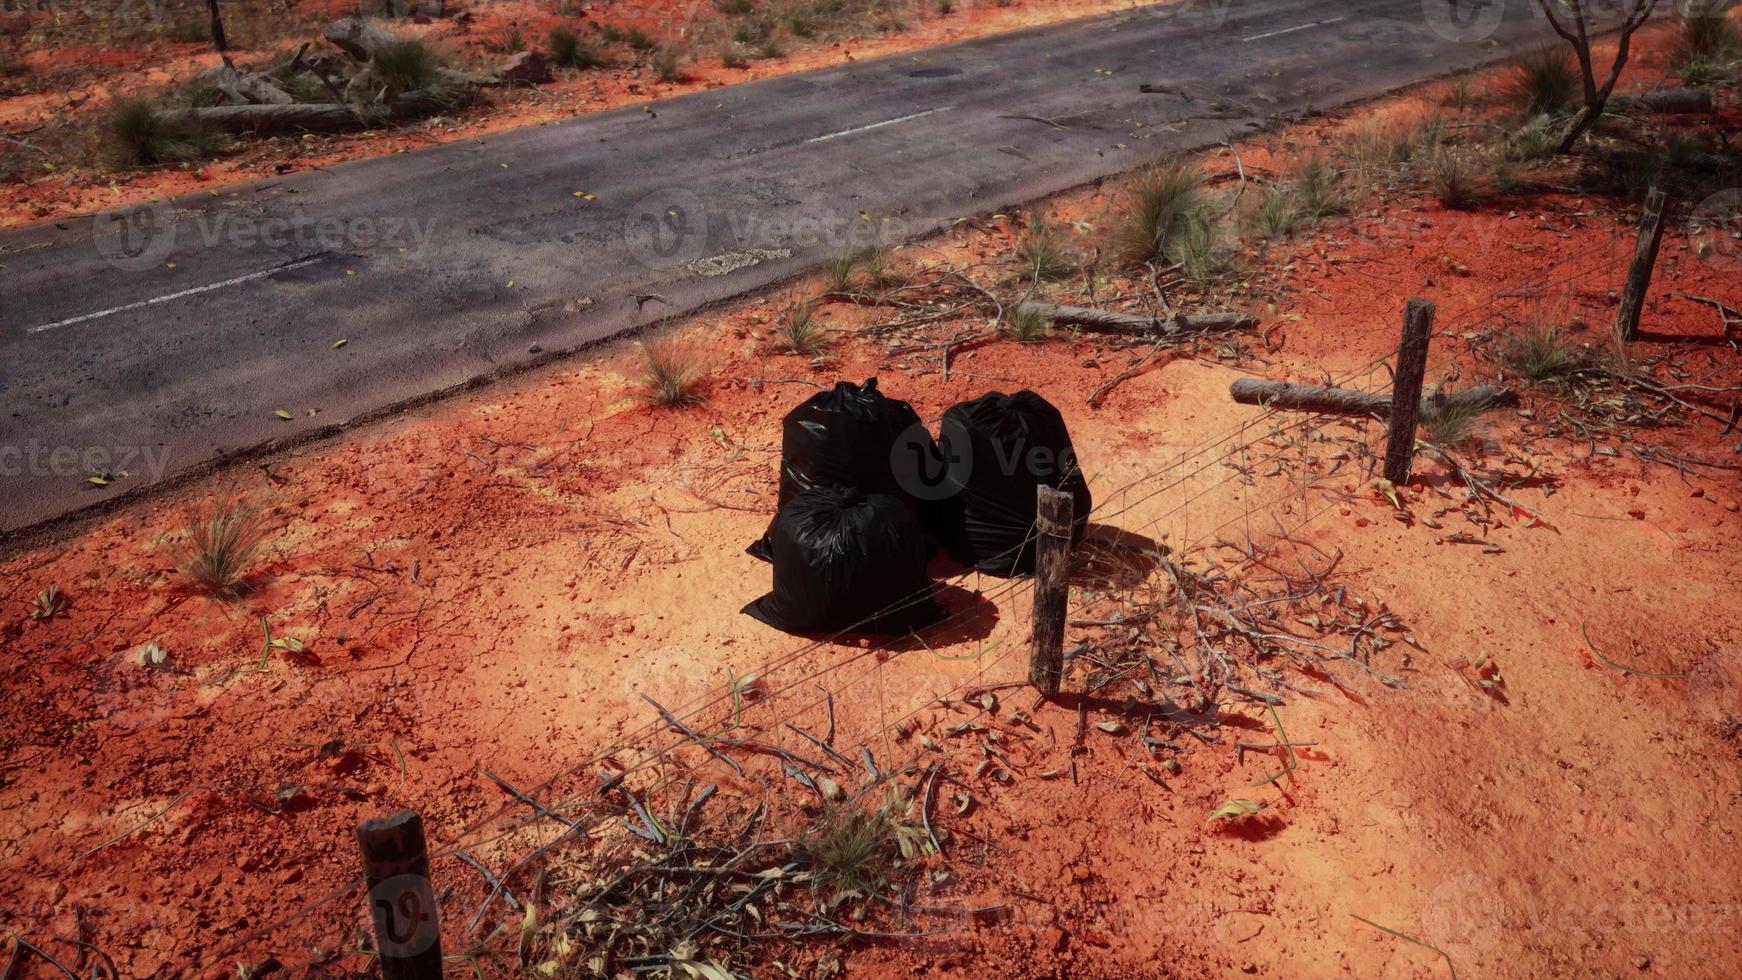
(1418, 326)
(401, 899)
(1639, 274)
(1054, 514)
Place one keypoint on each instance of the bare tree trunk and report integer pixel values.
(1578, 35)
(219, 41)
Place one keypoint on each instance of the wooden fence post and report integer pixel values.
(1054, 514)
(401, 899)
(1639, 274)
(1418, 325)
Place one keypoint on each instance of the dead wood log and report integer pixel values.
(1674, 101)
(320, 117)
(1109, 322)
(1343, 401)
(249, 88)
(358, 37)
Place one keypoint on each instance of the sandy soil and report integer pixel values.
(494, 583)
(85, 75)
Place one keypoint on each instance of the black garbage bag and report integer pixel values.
(846, 561)
(1000, 448)
(854, 437)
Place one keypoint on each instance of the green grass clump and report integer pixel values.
(798, 331)
(141, 135)
(1543, 80)
(1026, 325)
(1535, 140)
(1455, 178)
(567, 50)
(1042, 251)
(1450, 425)
(1158, 206)
(220, 543)
(667, 63)
(1706, 32)
(406, 66)
(1541, 355)
(855, 853)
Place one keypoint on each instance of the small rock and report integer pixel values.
(535, 349)
(1642, 963)
(525, 68)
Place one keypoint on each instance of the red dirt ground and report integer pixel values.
(492, 584)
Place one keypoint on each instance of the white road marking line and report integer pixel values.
(1291, 30)
(879, 125)
(186, 292)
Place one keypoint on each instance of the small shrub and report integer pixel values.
(1535, 140)
(220, 543)
(1706, 33)
(1042, 251)
(1539, 354)
(1389, 145)
(612, 34)
(510, 40)
(801, 25)
(406, 66)
(842, 272)
(1160, 200)
(668, 63)
(731, 56)
(671, 372)
(1026, 325)
(1199, 250)
(1279, 211)
(1453, 175)
(1544, 80)
(852, 852)
(799, 332)
(569, 51)
(1459, 94)
(640, 40)
(140, 135)
(1319, 187)
(735, 8)
(1450, 425)
(770, 49)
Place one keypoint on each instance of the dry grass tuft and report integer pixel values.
(671, 372)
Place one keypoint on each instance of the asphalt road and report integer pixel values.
(161, 339)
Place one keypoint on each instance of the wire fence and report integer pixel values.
(690, 718)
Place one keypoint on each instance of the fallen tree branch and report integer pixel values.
(1343, 401)
(1674, 101)
(322, 117)
(1110, 322)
